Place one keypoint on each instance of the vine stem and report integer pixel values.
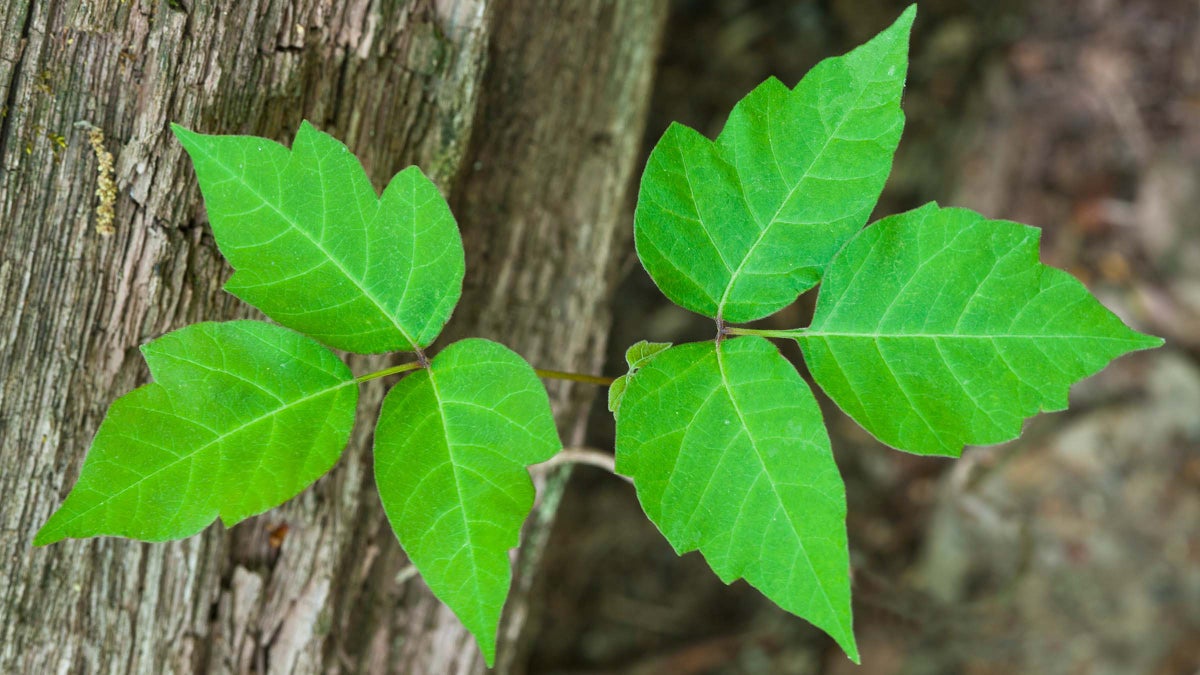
(575, 377)
(424, 363)
(790, 334)
(589, 456)
(402, 368)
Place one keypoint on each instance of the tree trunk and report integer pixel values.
(527, 113)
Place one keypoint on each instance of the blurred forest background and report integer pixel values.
(1073, 550)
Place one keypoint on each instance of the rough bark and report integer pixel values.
(527, 113)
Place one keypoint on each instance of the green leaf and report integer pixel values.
(616, 391)
(638, 355)
(241, 417)
(315, 249)
(738, 228)
(938, 328)
(451, 451)
(729, 455)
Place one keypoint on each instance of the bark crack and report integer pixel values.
(10, 101)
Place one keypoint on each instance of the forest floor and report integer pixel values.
(1075, 549)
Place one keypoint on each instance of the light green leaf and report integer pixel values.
(317, 250)
(241, 417)
(938, 328)
(451, 451)
(729, 455)
(640, 353)
(738, 228)
(616, 391)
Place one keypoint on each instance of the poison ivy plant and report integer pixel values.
(934, 329)
(243, 415)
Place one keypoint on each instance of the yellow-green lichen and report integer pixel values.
(106, 186)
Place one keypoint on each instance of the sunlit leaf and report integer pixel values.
(241, 417)
(737, 228)
(452, 449)
(317, 250)
(938, 328)
(727, 449)
(638, 355)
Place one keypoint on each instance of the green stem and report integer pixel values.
(574, 377)
(402, 368)
(554, 374)
(791, 333)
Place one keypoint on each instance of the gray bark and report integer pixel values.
(527, 113)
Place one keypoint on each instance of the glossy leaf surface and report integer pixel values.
(729, 454)
(737, 228)
(938, 328)
(317, 250)
(241, 417)
(452, 449)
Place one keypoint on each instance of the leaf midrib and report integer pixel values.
(954, 336)
(360, 283)
(778, 498)
(462, 500)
